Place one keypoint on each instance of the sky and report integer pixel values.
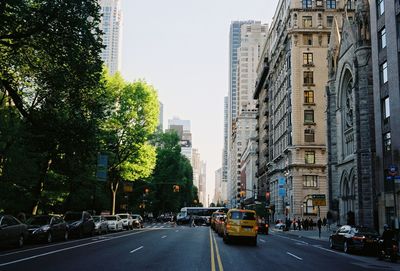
(181, 47)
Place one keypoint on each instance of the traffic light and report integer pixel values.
(146, 191)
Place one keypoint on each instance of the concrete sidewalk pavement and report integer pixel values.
(313, 234)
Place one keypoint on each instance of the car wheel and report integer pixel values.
(80, 234)
(21, 240)
(49, 238)
(331, 243)
(66, 236)
(346, 248)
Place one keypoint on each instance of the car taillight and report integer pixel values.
(228, 226)
(359, 238)
(256, 228)
(266, 225)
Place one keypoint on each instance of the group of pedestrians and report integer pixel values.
(307, 224)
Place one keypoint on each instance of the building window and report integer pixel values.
(331, 4)
(307, 58)
(383, 73)
(307, 39)
(386, 108)
(307, 3)
(309, 135)
(350, 4)
(308, 96)
(329, 21)
(387, 142)
(310, 181)
(308, 78)
(308, 116)
(309, 157)
(380, 4)
(307, 21)
(382, 38)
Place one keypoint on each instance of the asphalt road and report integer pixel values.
(185, 248)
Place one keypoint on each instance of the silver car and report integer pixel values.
(100, 224)
(127, 220)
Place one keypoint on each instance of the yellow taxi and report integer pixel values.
(213, 218)
(240, 224)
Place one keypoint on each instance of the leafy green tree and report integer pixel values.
(172, 169)
(50, 73)
(132, 118)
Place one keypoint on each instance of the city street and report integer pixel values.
(163, 246)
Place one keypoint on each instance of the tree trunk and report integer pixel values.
(40, 186)
(114, 195)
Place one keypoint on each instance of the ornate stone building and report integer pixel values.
(350, 120)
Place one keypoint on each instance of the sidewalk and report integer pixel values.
(313, 234)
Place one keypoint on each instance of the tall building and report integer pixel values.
(225, 149)
(111, 25)
(182, 127)
(385, 41)
(350, 120)
(243, 113)
(161, 117)
(196, 165)
(218, 187)
(203, 196)
(234, 44)
(290, 89)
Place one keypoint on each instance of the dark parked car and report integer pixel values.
(47, 228)
(79, 223)
(352, 238)
(12, 231)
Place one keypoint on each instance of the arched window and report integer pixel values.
(347, 112)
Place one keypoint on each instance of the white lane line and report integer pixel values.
(298, 258)
(68, 248)
(329, 250)
(262, 240)
(176, 230)
(163, 237)
(139, 248)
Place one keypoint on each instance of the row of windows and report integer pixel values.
(331, 4)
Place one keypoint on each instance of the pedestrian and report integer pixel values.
(311, 223)
(319, 225)
(294, 223)
(299, 223)
(306, 224)
(324, 222)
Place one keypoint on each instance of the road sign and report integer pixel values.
(281, 187)
(318, 199)
(102, 165)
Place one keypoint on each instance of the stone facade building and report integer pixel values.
(350, 120)
(291, 94)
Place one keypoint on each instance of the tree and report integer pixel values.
(172, 168)
(132, 118)
(50, 73)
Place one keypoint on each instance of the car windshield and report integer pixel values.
(111, 217)
(123, 216)
(135, 216)
(38, 220)
(73, 216)
(243, 215)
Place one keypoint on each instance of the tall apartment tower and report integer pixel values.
(203, 197)
(252, 37)
(111, 25)
(196, 165)
(385, 42)
(225, 149)
(292, 77)
(218, 186)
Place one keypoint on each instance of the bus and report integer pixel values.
(199, 214)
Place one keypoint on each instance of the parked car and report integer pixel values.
(79, 223)
(127, 220)
(100, 224)
(12, 231)
(114, 222)
(352, 238)
(213, 219)
(137, 221)
(47, 228)
(240, 224)
(280, 226)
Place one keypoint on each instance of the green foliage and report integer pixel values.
(132, 119)
(172, 168)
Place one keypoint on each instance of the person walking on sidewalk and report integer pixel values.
(319, 225)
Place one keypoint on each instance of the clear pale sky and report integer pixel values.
(181, 47)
